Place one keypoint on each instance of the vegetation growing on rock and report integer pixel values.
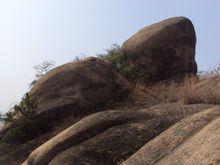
(116, 58)
(22, 120)
(41, 69)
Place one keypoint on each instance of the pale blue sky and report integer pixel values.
(32, 31)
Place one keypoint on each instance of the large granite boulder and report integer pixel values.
(77, 88)
(163, 50)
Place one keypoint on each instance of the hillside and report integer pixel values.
(142, 103)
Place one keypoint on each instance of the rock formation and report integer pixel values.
(158, 131)
(108, 137)
(194, 140)
(163, 50)
(78, 87)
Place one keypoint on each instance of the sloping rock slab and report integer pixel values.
(194, 140)
(107, 137)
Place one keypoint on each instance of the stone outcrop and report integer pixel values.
(163, 50)
(153, 128)
(77, 88)
(108, 137)
(194, 140)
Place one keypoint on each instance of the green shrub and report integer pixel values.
(114, 56)
(24, 125)
(130, 72)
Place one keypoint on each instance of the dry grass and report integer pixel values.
(145, 96)
(201, 90)
(165, 93)
(187, 92)
(192, 90)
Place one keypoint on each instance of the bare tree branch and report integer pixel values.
(43, 68)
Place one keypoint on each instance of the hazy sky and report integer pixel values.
(32, 31)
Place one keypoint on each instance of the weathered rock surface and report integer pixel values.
(77, 87)
(203, 148)
(109, 137)
(163, 50)
(194, 140)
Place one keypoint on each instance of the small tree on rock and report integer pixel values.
(41, 69)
